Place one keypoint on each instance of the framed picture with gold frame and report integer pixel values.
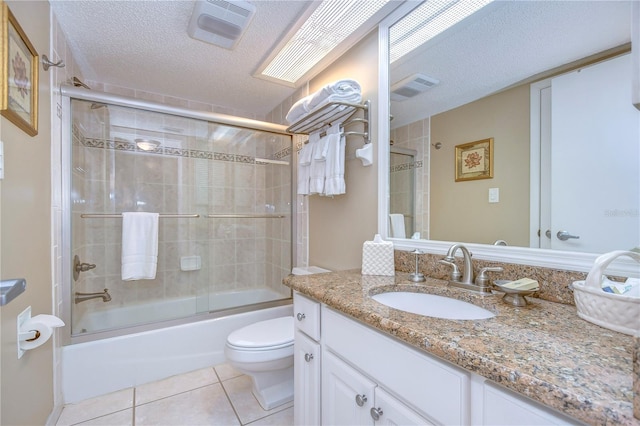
(474, 160)
(19, 93)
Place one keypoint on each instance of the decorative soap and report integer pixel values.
(522, 284)
(377, 257)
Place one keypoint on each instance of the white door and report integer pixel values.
(306, 369)
(347, 396)
(594, 161)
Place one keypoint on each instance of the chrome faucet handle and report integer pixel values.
(482, 280)
(455, 271)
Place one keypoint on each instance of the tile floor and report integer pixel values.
(212, 396)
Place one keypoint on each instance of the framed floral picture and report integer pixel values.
(474, 160)
(19, 97)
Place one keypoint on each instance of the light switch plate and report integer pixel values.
(494, 195)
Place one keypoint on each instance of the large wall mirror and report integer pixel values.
(540, 94)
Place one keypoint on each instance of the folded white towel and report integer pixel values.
(139, 245)
(334, 183)
(342, 90)
(397, 225)
(336, 91)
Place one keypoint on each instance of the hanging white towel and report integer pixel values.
(139, 245)
(334, 183)
(304, 165)
(397, 225)
(318, 163)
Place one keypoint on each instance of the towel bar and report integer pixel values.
(331, 113)
(119, 215)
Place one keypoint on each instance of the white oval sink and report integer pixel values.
(432, 306)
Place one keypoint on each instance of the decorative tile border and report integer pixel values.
(123, 145)
(406, 166)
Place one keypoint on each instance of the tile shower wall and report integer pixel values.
(223, 171)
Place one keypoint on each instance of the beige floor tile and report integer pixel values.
(96, 407)
(245, 404)
(226, 371)
(175, 385)
(281, 418)
(121, 418)
(203, 406)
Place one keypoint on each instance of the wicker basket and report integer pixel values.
(618, 312)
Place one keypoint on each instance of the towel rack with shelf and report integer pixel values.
(331, 113)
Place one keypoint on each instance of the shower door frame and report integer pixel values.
(71, 92)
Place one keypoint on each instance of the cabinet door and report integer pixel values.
(394, 412)
(501, 407)
(347, 395)
(306, 367)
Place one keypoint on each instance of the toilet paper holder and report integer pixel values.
(33, 332)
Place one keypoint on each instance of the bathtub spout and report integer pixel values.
(81, 297)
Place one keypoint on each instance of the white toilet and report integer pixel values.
(264, 351)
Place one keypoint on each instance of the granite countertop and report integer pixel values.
(543, 350)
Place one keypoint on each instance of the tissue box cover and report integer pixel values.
(377, 258)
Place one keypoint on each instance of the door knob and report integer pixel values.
(300, 316)
(308, 357)
(564, 236)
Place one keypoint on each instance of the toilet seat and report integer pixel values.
(266, 335)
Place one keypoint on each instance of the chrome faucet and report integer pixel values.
(81, 297)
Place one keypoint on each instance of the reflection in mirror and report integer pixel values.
(535, 77)
(402, 192)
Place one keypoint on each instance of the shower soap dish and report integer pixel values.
(515, 291)
(618, 312)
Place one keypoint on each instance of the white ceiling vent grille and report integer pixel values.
(220, 22)
(411, 86)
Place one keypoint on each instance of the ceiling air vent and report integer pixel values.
(220, 22)
(411, 86)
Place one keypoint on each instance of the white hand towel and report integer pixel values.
(397, 225)
(318, 163)
(139, 245)
(334, 183)
(304, 166)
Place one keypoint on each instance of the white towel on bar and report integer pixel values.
(334, 183)
(397, 225)
(346, 90)
(318, 163)
(304, 166)
(139, 245)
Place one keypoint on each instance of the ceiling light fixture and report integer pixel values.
(147, 144)
(330, 24)
(427, 21)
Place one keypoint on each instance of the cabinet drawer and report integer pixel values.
(434, 388)
(306, 314)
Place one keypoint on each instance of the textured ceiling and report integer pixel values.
(507, 43)
(145, 45)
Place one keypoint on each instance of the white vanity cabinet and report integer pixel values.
(306, 361)
(353, 373)
(350, 398)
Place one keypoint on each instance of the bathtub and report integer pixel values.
(104, 317)
(98, 367)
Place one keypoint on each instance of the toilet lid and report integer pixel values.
(269, 333)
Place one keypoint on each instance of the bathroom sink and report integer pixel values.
(432, 305)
